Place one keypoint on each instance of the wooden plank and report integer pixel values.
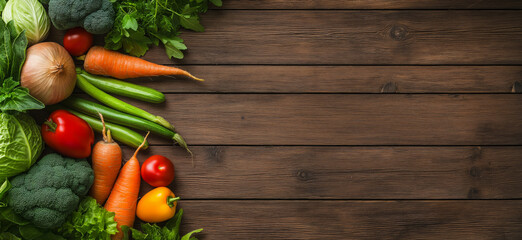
(351, 37)
(340, 119)
(370, 4)
(341, 79)
(303, 220)
(227, 172)
(354, 37)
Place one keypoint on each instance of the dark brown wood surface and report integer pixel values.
(345, 119)
(348, 120)
(354, 37)
(372, 4)
(302, 220)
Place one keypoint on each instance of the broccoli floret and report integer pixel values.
(50, 190)
(101, 21)
(96, 16)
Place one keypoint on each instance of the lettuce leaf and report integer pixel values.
(89, 221)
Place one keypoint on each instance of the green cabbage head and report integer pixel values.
(28, 15)
(20, 143)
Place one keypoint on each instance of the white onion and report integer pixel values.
(48, 73)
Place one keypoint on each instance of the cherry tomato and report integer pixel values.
(77, 41)
(158, 171)
(68, 134)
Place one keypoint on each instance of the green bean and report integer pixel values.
(118, 104)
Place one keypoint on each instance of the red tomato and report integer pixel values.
(68, 134)
(158, 171)
(77, 41)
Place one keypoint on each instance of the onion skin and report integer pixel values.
(48, 72)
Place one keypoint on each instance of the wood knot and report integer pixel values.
(215, 154)
(303, 175)
(517, 87)
(473, 193)
(474, 172)
(399, 32)
(476, 154)
(390, 87)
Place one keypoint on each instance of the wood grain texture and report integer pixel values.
(354, 37)
(304, 220)
(370, 4)
(341, 79)
(340, 119)
(350, 37)
(226, 172)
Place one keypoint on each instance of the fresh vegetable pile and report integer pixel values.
(81, 191)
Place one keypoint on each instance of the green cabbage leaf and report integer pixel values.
(20, 143)
(28, 15)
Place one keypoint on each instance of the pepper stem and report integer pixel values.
(52, 125)
(171, 200)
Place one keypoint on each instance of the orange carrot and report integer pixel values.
(106, 163)
(100, 61)
(124, 195)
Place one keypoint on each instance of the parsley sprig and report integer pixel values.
(141, 23)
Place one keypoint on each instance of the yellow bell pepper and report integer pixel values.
(158, 205)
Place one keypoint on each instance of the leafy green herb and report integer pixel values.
(154, 232)
(13, 97)
(141, 23)
(90, 221)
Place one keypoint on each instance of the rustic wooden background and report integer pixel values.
(349, 119)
